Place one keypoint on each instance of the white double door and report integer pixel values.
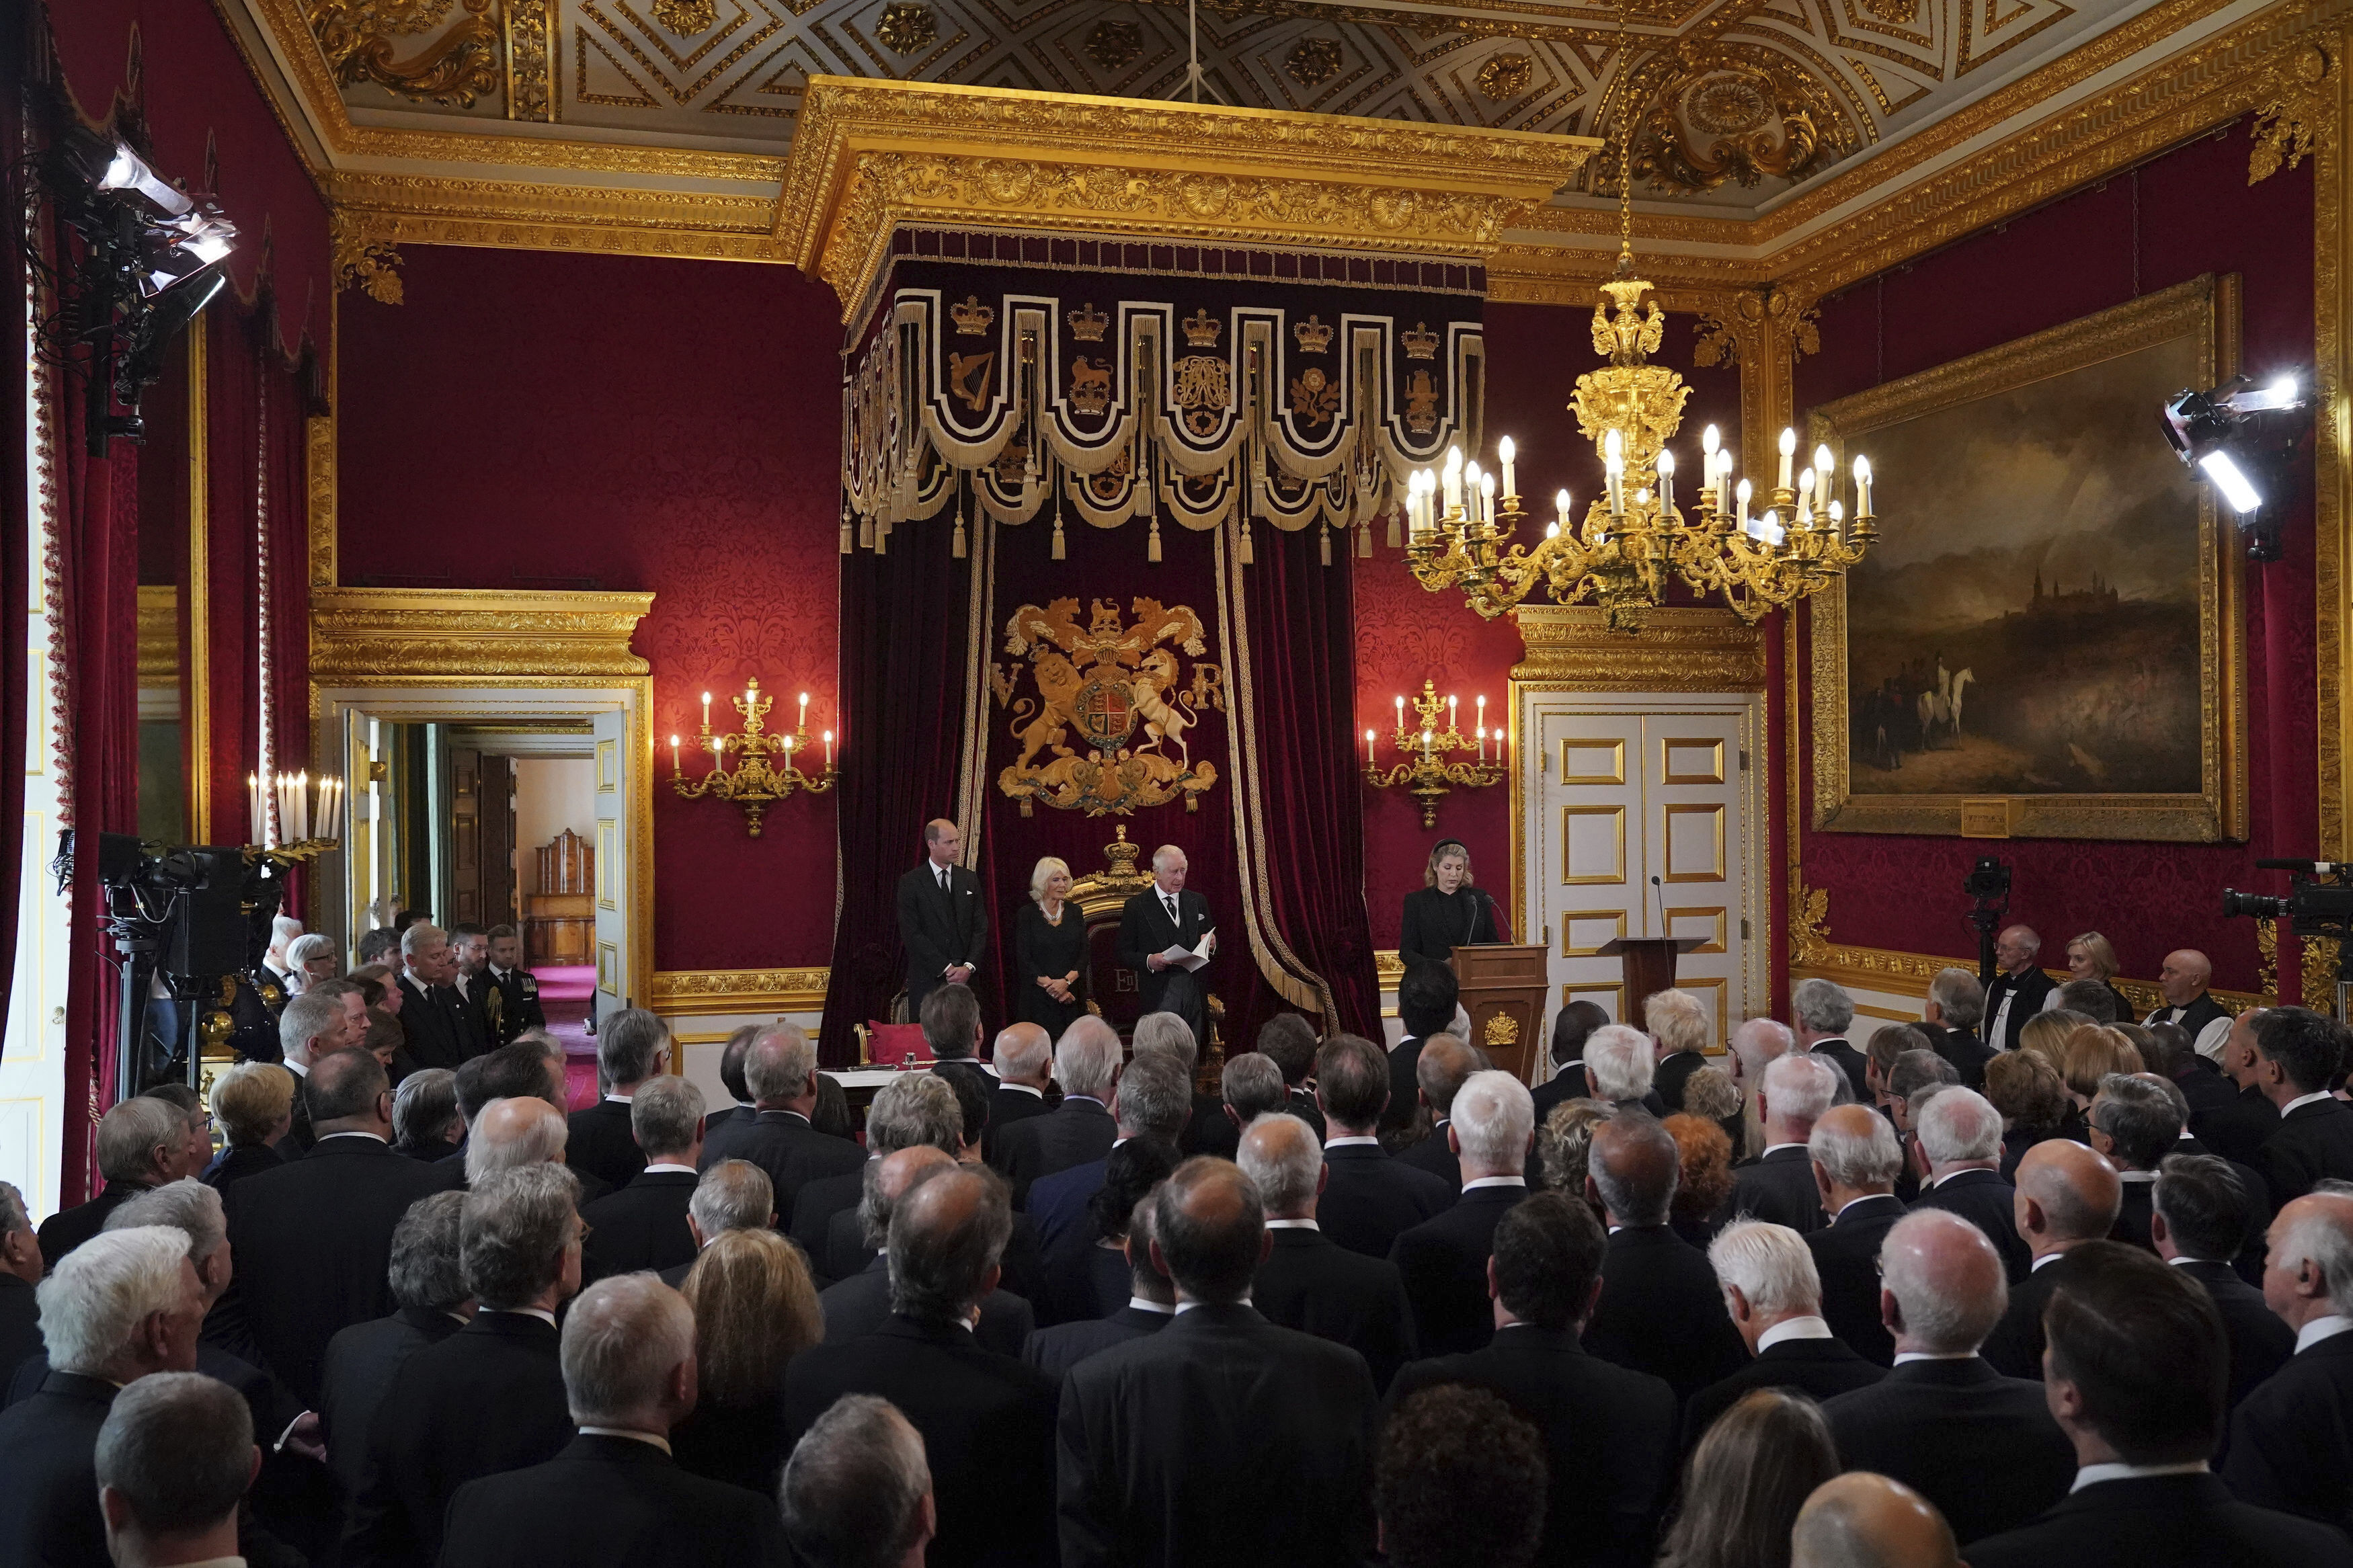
(1641, 824)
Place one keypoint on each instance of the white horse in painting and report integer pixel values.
(1941, 710)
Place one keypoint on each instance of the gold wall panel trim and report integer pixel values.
(1676, 650)
(159, 636)
(197, 713)
(387, 636)
(1389, 968)
(1895, 974)
(679, 993)
(319, 470)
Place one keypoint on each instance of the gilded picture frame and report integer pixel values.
(2189, 329)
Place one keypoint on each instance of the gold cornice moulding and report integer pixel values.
(869, 155)
(385, 636)
(711, 993)
(1892, 973)
(376, 212)
(1677, 649)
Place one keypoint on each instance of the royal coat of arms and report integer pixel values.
(1107, 732)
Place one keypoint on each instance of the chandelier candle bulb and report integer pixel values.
(253, 803)
(675, 769)
(1400, 707)
(1741, 493)
(1788, 452)
(1666, 481)
(1369, 759)
(706, 712)
(1487, 497)
(1453, 477)
(1825, 465)
(1561, 501)
(1805, 498)
(1505, 452)
(804, 723)
(1861, 489)
(1837, 524)
(1451, 723)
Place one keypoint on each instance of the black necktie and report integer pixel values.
(1170, 900)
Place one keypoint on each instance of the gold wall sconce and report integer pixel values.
(1426, 773)
(763, 770)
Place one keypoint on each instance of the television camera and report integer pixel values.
(2319, 904)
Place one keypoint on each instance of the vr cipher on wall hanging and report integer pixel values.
(1020, 396)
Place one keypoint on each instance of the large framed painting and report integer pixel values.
(2046, 640)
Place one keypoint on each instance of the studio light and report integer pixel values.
(2242, 436)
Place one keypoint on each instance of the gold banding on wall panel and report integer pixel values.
(1687, 851)
(1690, 760)
(1585, 942)
(1718, 914)
(1611, 999)
(607, 840)
(609, 768)
(608, 962)
(1590, 835)
(1582, 762)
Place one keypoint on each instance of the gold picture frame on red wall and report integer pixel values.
(2049, 635)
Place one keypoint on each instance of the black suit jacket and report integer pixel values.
(2236, 1130)
(784, 1144)
(2205, 1086)
(1846, 1259)
(1979, 1445)
(1435, 1155)
(809, 1220)
(49, 1452)
(1610, 1435)
(1075, 1133)
(1443, 1262)
(1222, 1439)
(1961, 1047)
(861, 1305)
(1371, 1198)
(1822, 1368)
(519, 1004)
(643, 1225)
(361, 1363)
(69, 1228)
(1985, 1200)
(487, 1399)
(1144, 930)
(987, 1421)
(1668, 1079)
(2260, 1342)
(1311, 1283)
(2026, 992)
(606, 1500)
(1006, 1105)
(2311, 1143)
(1853, 1063)
(1405, 1085)
(2163, 1521)
(20, 1325)
(2292, 1439)
(599, 1141)
(438, 1026)
(238, 1161)
(2014, 1349)
(1661, 1313)
(312, 1241)
(1055, 1350)
(1209, 1130)
(1779, 1186)
(941, 930)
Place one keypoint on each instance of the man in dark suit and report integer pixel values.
(1955, 1008)
(861, 1304)
(2292, 1439)
(331, 1016)
(2298, 1053)
(1778, 1185)
(510, 1001)
(1151, 1307)
(986, 1420)
(633, 1049)
(1162, 916)
(20, 1271)
(2136, 1122)
(491, 1397)
(1775, 1301)
(2200, 1219)
(313, 1238)
(943, 919)
(1080, 1130)
(1571, 1027)
(614, 1494)
(49, 1515)
(2019, 991)
(1445, 1066)
(1609, 1432)
(439, 1028)
(2142, 1424)
(2182, 981)
(363, 1360)
(1979, 1445)
(1208, 1130)
(1958, 1143)
(2237, 1129)
(470, 961)
(1222, 1437)
(1443, 1260)
(174, 1461)
(1819, 1015)
(1660, 1310)
(1428, 995)
(2067, 1199)
(912, 1109)
(1855, 1158)
(643, 1225)
(143, 1145)
(1150, 1107)
(1310, 1282)
(1025, 1062)
(1679, 1030)
(781, 1071)
(1369, 1198)
(1289, 1041)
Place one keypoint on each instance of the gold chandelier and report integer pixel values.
(1759, 553)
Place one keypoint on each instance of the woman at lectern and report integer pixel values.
(1447, 912)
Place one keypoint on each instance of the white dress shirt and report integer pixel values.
(2301, 1100)
(1799, 1328)
(652, 1439)
(2327, 1327)
(2093, 1475)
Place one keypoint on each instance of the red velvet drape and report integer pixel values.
(16, 570)
(233, 394)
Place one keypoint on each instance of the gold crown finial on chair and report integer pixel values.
(1120, 857)
(1201, 328)
(972, 317)
(1087, 323)
(1420, 343)
(1314, 337)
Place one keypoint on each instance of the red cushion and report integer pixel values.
(888, 1045)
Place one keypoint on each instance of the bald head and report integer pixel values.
(2067, 1193)
(894, 1174)
(1942, 1287)
(2016, 950)
(2183, 979)
(1282, 1155)
(1023, 1052)
(1210, 1230)
(1446, 1062)
(1634, 1166)
(512, 1133)
(948, 1233)
(1864, 1520)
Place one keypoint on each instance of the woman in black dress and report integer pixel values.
(1050, 951)
(1448, 911)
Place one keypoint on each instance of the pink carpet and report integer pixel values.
(563, 993)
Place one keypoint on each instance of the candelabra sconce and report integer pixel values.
(293, 816)
(1425, 771)
(756, 781)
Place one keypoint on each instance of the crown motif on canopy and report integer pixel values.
(1201, 328)
(1312, 335)
(1421, 343)
(1087, 323)
(972, 317)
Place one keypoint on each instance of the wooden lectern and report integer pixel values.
(1503, 988)
(1649, 967)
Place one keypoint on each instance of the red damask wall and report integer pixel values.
(2187, 212)
(531, 420)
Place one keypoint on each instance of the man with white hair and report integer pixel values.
(122, 1305)
(1619, 1065)
(1821, 1013)
(643, 1225)
(141, 1144)
(2019, 991)
(20, 1271)
(1443, 1260)
(1981, 1447)
(439, 1029)
(1956, 1134)
(1168, 917)
(1678, 1027)
(2288, 1448)
(1778, 1185)
(1756, 1045)
(1855, 1160)
(780, 1068)
(1025, 1061)
(514, 1133)
(1950, 1017)
(734, 1194)
(614, 1494)
(1775, 1297)
(1308, 1282)
(1079, 1131)
(331, 1016)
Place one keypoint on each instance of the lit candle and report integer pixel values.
(1368, 748)
(1789, 450)
(1453, 477)
(1561, 501)
(788, 754)
(1499, 745)
(1400, 715)
(676, 771)
(1825, 465)
(1451, 726)
(1805, 498)
(1482, 715)
(750, 694)
(301, 806)
(1741, 494)
(1470, 477)
(706, 712)
(1504, 455)
(1424, 745)
(803, 726)
(253, 803)
(1666, 482)
(1486, 498)
(828, 750)
(1837, 511)
(1482, 743)
(1861, 489)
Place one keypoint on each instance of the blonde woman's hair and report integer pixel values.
(1444, 847)
(2091, 1053)
(250, 1098)
(1045, 869)
(755, 1310)
(2045, 1034)
(2099, 950)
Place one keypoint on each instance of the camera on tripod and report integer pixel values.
(2319, 904)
